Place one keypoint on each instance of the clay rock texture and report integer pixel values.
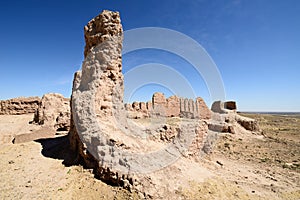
(101, 28)
(19, 106)
(98, 89)
(173, 106)
(103, 37)
(159, 103)
(203, 111)
(226, 119)
(247, 123)
(54, 112)
(224, 107)
(218, 107)
(169, 107)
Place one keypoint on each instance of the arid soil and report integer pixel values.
(267, 164)
(43, 169)
(249, 166)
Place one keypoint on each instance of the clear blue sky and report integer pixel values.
(255, 44)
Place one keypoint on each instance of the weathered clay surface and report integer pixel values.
(173, 106)
(218, 107)
(19, 106)
(247, 123)
(97, 91)
(226, 119)
(53, 112)
(203, 111)
(159, 104)
(100, 29)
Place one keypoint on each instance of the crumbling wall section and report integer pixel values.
(19, 106)
(53, 112)
(173, 106)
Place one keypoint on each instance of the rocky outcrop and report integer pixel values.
(169, 107)
(19, 106)
(53, 112)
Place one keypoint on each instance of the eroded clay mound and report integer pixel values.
(53, 112)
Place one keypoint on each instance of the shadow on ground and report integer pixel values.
(58, 148)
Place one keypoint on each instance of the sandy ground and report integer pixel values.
(12, 125)
(41, 169)
(242, 166)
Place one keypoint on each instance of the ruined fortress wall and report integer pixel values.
(19, 106)
(169, 107)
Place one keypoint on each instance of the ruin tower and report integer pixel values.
(98, 87)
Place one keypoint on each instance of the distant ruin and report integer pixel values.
(169, 107)
(53, 112)
(19, 106)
